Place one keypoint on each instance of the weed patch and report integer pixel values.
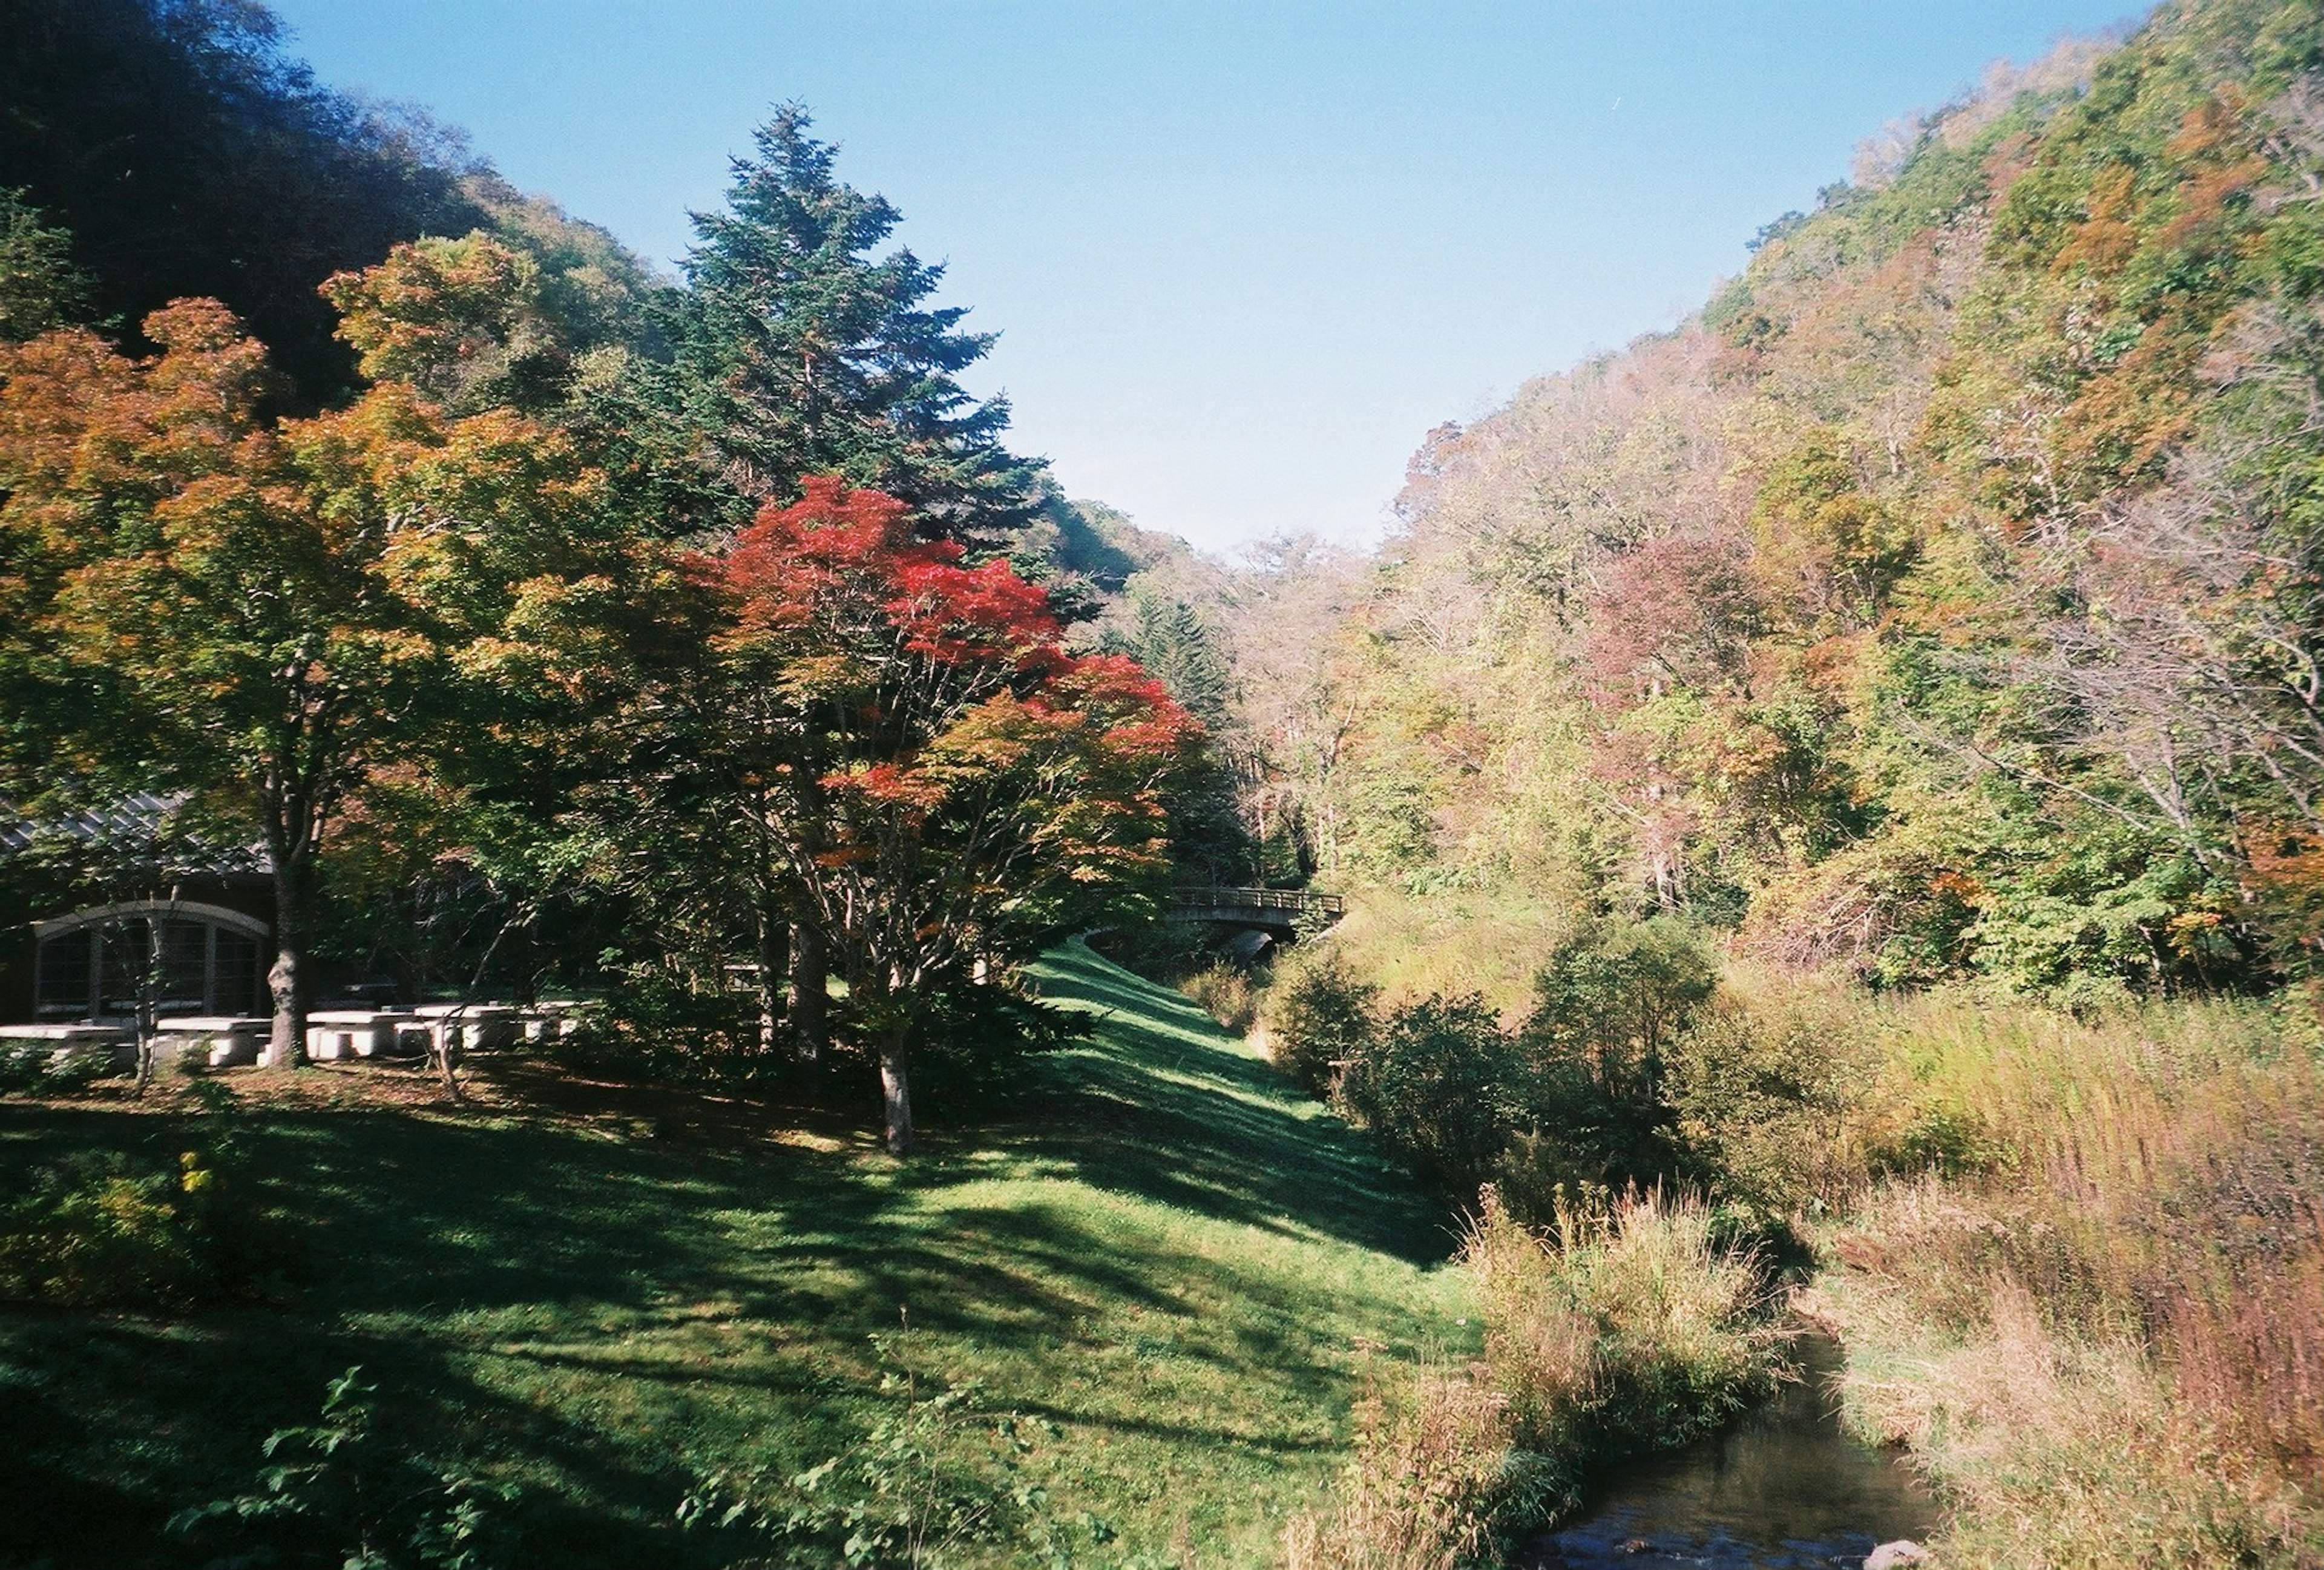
(1625, 1329)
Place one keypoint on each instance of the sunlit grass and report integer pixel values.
(1179, 1270)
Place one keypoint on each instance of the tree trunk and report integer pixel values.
(157, 928)
(808, 1004)
(771, 983)
(896, 1090)
(286, 1045)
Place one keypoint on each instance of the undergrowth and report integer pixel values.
(1628, 1328)
(98, 1230)
(2101, 1324)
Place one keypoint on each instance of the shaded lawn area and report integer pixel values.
(1176, 1264)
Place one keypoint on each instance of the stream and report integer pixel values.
(1783, 1488)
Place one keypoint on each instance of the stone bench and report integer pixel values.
(340, 1033)
(470, 1027)
(552, 1018)
(116, 1045)
(224, 1041)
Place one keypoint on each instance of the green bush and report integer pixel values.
(1319, 1019)
(94, 1234)
(31, 1068)
(933, 1476)
(1770, 1102)
(1608, 1003)
(974, 1044)
(1436, 1085)
(1226, 993)
(662, 1028)
(339, 1493)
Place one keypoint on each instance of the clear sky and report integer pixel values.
(1242, 255)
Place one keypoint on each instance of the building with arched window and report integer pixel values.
(191, 923)
(200, 959)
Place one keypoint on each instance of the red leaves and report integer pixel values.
(838, 574)
(959, 614)
(954, 743)
(1142, 721)
(840, 559)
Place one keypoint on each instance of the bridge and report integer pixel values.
(1282, 913)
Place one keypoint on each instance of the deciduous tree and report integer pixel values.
(927, 780)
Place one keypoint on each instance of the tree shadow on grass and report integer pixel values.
(133, 1419)
(520, 1286)
(1172, 1109)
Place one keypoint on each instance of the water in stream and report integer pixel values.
(1783, 1488)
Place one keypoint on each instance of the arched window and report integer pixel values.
(93, 964)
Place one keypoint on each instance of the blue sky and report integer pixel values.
(1241, 256)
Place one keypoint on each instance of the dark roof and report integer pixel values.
(142, 823)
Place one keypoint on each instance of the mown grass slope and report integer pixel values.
(1178, 1270)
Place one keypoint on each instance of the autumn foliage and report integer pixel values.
(937, 785)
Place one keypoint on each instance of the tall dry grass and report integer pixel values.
(1623, 1330)
(2103, 1329)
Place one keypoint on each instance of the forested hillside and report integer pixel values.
(1858, 756)
(1939, 601)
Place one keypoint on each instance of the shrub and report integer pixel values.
(2061, 1450)
(2116, 1303)
(932, 1476)
(93, 1233)
(972, 1045)
(1436, 1085)
(1160, 951)
(661, 1027)
(1608, 1004)
(31, 1068)
(1436, 1475)
(340, 1492)
(1629, 1329)
(1770, 1101)
(1225, 992)
(1319, 1019)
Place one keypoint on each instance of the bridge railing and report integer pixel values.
(1219, 897)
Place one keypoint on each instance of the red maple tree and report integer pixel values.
(941, 786)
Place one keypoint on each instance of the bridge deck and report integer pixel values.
(1261, 907)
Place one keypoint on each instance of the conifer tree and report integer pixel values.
(802, 351)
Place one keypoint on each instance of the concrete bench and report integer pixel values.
(113, 1046)
(225, 1041)
(339, 1033)
(471, 1027)
(552, 1018)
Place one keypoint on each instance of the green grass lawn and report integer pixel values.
(1177, 1269)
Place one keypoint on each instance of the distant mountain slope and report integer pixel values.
(1943, 599)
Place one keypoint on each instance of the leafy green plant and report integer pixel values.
(931, 1476)
(1770, 1101)
(336, 1493)
(1608, 1003)
(97, 1232)
(31, 1068)
(1437, 1087)
(1319, 1018)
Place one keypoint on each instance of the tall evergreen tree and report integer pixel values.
(801, 351)
(1170, 639)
